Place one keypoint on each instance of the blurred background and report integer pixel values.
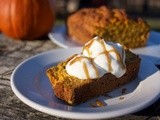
(147, 9)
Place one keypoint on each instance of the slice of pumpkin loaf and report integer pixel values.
(111, 24)
(73, 90)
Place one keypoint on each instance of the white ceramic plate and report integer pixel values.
(150, 52)
(30, 83)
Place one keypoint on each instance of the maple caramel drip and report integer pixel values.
(87, 47)
(99, 103)
(86, 70)
(106, 53)
(109, 60)
(122, 54)
(75, 59)
(97, 73)
(79, 58)
(72, 57)
(103, 45)
(119, 59)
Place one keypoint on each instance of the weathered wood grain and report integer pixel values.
(11, 108)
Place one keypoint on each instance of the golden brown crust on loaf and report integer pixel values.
(111, 24)
(71, 89)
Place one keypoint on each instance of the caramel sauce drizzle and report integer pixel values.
(122, 53)
(96, 70)
(77, 59)
(119, 59)
(105, 52)
(98, 103)
(85, 65)
(86, 70)
(88, 46)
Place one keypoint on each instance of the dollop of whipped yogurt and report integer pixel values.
(98, 58)
(83, 67)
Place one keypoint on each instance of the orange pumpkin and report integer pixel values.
(26, 19)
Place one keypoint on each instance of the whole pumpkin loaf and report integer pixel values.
(111, 24)
(77, 89)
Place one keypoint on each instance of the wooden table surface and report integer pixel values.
(12, 53)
